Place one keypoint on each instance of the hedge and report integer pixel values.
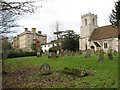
(14, 54)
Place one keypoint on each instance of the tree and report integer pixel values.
(56, 30)
(70, 41)
(9, 12)
(6, 45)
(115, 16)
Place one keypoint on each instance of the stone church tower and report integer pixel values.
(88, 23)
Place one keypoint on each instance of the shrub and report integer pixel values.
(15, 54)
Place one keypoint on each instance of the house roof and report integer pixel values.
(104, 32)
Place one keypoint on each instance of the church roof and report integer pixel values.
(104, 32)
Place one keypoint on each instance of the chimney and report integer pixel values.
(39, 32)
(26, 29)
(34, 31)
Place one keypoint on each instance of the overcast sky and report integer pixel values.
(68, 13)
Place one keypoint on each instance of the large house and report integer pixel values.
(96, 38)
(25, 40)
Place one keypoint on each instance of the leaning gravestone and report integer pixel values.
(110, 55)
(45, 69)
(115, 53)
(101, 56)
(88, 53)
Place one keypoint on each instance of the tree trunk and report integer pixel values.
(3, 65)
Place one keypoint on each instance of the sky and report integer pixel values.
(68, 13)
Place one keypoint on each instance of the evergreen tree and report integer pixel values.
(70, 41)
(115, 16)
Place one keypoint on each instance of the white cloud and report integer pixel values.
(69, 13)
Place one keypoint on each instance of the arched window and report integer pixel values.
(85, 21)
(93, 21)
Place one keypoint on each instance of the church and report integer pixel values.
(95, 37)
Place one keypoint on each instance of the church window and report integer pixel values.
(105, 45)
(93, 21)
(85, 21)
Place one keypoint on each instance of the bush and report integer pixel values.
(15, 54)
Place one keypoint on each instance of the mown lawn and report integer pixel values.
(25, 72)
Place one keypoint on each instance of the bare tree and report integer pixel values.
(56, 30)
(9, 13)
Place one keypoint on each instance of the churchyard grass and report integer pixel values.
(24, 72)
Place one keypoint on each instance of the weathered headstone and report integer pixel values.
(53, 55)
(101, 56)
(45, 69)
(73, 53)
(88, 53)
(68, 53)
(110, 55)
(62, 53)
(115, 53)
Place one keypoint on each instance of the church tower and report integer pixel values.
(88, 23)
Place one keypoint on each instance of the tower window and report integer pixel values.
(85, 21)
(93, 21)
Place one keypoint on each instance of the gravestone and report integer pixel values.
(68, 53)
(62, 53)
(73, 53)
(83, 52)
(110, 55)
(115, 53)
(39, 54)
(101, 56)
(46, 53)
(53, 55)
(88, 53)
(45, 69)
(78, 53)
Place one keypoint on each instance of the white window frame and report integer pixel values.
(104, 44)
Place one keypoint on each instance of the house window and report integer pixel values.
(29, 45)
(38, 37)
(105, 45)
(85, 21)
(28, 36)
(48, 45)
(28, 41)
(44, 40)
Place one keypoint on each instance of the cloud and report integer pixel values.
(69, 13)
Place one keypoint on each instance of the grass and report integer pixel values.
(25, 72)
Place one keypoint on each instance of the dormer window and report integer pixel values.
(85, 21)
